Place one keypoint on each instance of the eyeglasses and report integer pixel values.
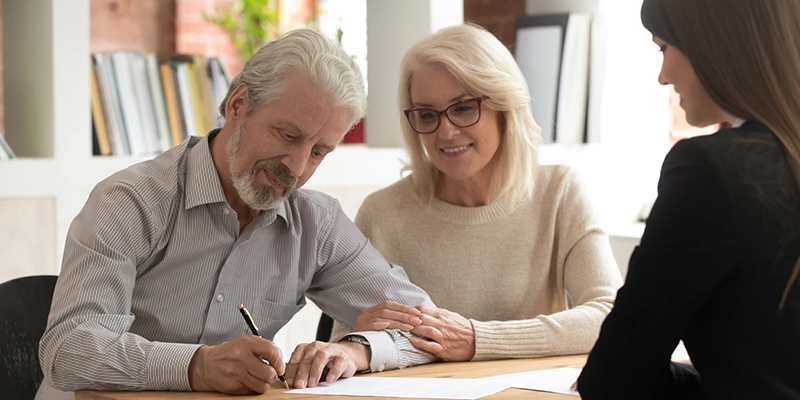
(462, 114)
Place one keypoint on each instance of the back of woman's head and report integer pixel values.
(483, 67)
(746, 53)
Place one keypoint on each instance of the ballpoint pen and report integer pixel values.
(254, 329)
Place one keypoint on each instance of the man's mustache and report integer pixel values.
(279, 170)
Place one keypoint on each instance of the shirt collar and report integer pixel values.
(202, 180)
(737, 123)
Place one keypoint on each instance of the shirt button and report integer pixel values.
(220, 297)
(226, 211)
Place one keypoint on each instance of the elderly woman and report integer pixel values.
(510, 250)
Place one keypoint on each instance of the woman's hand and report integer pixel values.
(452, 337)
(388, 315)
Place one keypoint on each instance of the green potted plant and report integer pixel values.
(250, 24)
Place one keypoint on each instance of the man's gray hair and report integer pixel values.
(319, 59)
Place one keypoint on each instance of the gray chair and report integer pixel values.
(24, 306)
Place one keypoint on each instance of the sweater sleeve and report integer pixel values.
(590, 277)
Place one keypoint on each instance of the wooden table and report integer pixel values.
(438, 370)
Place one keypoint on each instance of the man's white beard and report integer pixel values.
(258, 197)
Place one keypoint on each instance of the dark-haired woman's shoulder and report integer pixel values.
(750, 142)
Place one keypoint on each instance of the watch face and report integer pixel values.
(357, 339)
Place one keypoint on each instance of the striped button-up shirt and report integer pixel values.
(155, 265)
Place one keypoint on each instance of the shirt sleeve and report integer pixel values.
(353, 275)
(590, 277)
(687, 250)
(87, 344)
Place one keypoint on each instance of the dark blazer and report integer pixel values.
(719, 247)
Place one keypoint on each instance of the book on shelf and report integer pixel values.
(171, 100)
(110, 102)
(99, 126)
(143, 107)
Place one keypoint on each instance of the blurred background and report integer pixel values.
(69, 66)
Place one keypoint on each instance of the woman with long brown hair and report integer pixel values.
(718, 263)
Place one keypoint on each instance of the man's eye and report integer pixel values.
(289, 136)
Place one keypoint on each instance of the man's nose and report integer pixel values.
(296, 161)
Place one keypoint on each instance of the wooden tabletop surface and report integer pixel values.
(439, 370)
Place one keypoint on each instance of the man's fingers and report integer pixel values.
(291, 372)
(273, 355)
(254, 383)
(338, 368)
(297, 354)
(301, 375)
(318, 363)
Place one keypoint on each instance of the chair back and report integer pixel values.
(24, 307)
(324, 328)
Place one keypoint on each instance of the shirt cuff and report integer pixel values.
(168, 366)
(384, 351)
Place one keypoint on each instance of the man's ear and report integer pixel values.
(236, 105)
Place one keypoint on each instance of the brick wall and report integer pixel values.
(195, 35)
(497, 16)
(143, 25)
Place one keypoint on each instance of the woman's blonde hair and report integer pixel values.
(746, 53)
(483, 67)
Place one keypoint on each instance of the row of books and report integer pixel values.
(5, 150)
(143, 107)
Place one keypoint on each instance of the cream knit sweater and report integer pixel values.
(513, 269)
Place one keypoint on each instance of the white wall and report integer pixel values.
(621, 172)
(392, 27)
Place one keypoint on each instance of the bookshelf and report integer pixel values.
(46, 63)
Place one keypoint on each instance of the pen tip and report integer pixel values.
(240, 306)
(286, 385)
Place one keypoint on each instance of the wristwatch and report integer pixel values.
(362, 341)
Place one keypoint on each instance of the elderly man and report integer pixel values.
(164, 251)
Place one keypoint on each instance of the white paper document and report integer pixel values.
(557, 380)
(428, 388)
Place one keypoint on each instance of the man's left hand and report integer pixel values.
(452, 337)
(309, 360)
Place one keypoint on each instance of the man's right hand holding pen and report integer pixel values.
(251, 364)
(237, 366)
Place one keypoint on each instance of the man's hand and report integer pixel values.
(341, 360)
(236, 367)
(452, 337)
(388, 315)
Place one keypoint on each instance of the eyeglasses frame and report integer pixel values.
(479, 100)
